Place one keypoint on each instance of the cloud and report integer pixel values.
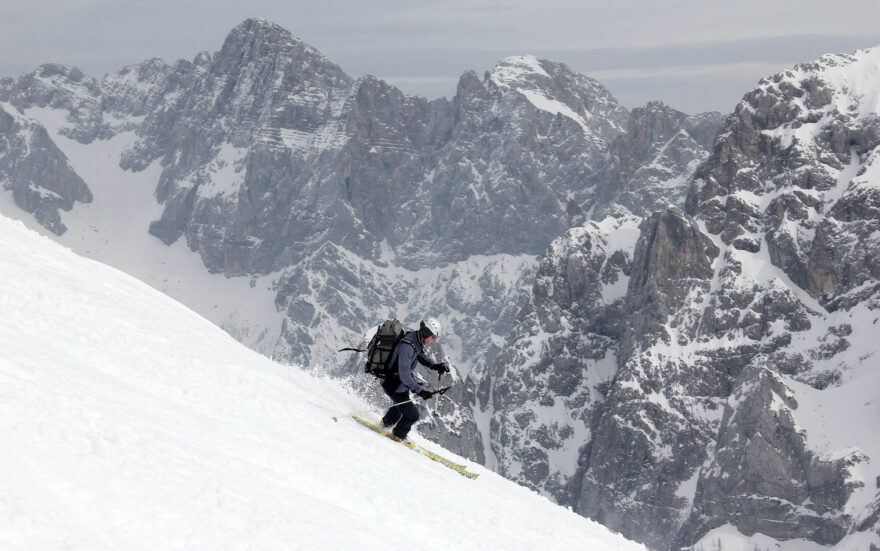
(676, 71)
(25, 9)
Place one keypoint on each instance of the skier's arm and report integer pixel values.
(425, 360)
(439, 367)
(405, 365)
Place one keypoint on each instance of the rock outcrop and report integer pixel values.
(745, 340)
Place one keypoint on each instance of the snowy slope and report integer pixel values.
(130, 422)
(113, 229)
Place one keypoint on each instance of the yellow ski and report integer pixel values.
(460, 469)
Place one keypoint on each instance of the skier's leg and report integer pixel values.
(392, 416)
(394, 412)
(409, 416)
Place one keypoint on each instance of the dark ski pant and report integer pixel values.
(401, 417)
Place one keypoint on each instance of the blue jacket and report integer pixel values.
(403, 363)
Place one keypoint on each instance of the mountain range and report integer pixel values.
(656, 318)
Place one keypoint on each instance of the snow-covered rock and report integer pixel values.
(554, 373)
(741, 406)
(651, 165)
(36, 172)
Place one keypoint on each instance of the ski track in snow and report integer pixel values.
(130, 422)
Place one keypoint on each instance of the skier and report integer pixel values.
(401, 379)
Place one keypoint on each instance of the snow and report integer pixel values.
(858, 541)
(839, 421)
(854, 92)
(515, 69)
(553, 106)
(113, 229)
(328, 137)
(130, 422)
(227, 172)
(687, 490)
(869, 177)
(833, 195)
(859, 76)
(728, 538)
(518, 73)
(617, 234)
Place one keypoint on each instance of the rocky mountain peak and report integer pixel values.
(555, 88)
(518, 71)
(256, 33)
(799, 157)
(52, 84)
(133, 89)
(36, 172)
(260, 42)
(57, 86)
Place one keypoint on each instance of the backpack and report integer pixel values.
(381, 348)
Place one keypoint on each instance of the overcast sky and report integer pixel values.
(696, 55)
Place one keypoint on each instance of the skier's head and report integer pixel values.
(429, 329)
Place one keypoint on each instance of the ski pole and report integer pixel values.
(440, 392)
(380, 408)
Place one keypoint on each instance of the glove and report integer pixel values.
(441, 367)
(425, 394)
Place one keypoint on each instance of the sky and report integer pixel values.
(695, 55)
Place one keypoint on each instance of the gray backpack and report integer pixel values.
(381, 348)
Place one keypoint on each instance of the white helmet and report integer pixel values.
(430, 327)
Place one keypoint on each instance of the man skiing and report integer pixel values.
(401, 379)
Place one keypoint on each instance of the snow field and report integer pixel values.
(130, 422)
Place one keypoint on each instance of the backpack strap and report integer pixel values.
(396, 348)
(393, 360)
(409, 342)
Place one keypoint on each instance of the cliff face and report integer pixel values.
(746, 322)
(651, 164)
(797, 163)
(36, 172)
(553, 376)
